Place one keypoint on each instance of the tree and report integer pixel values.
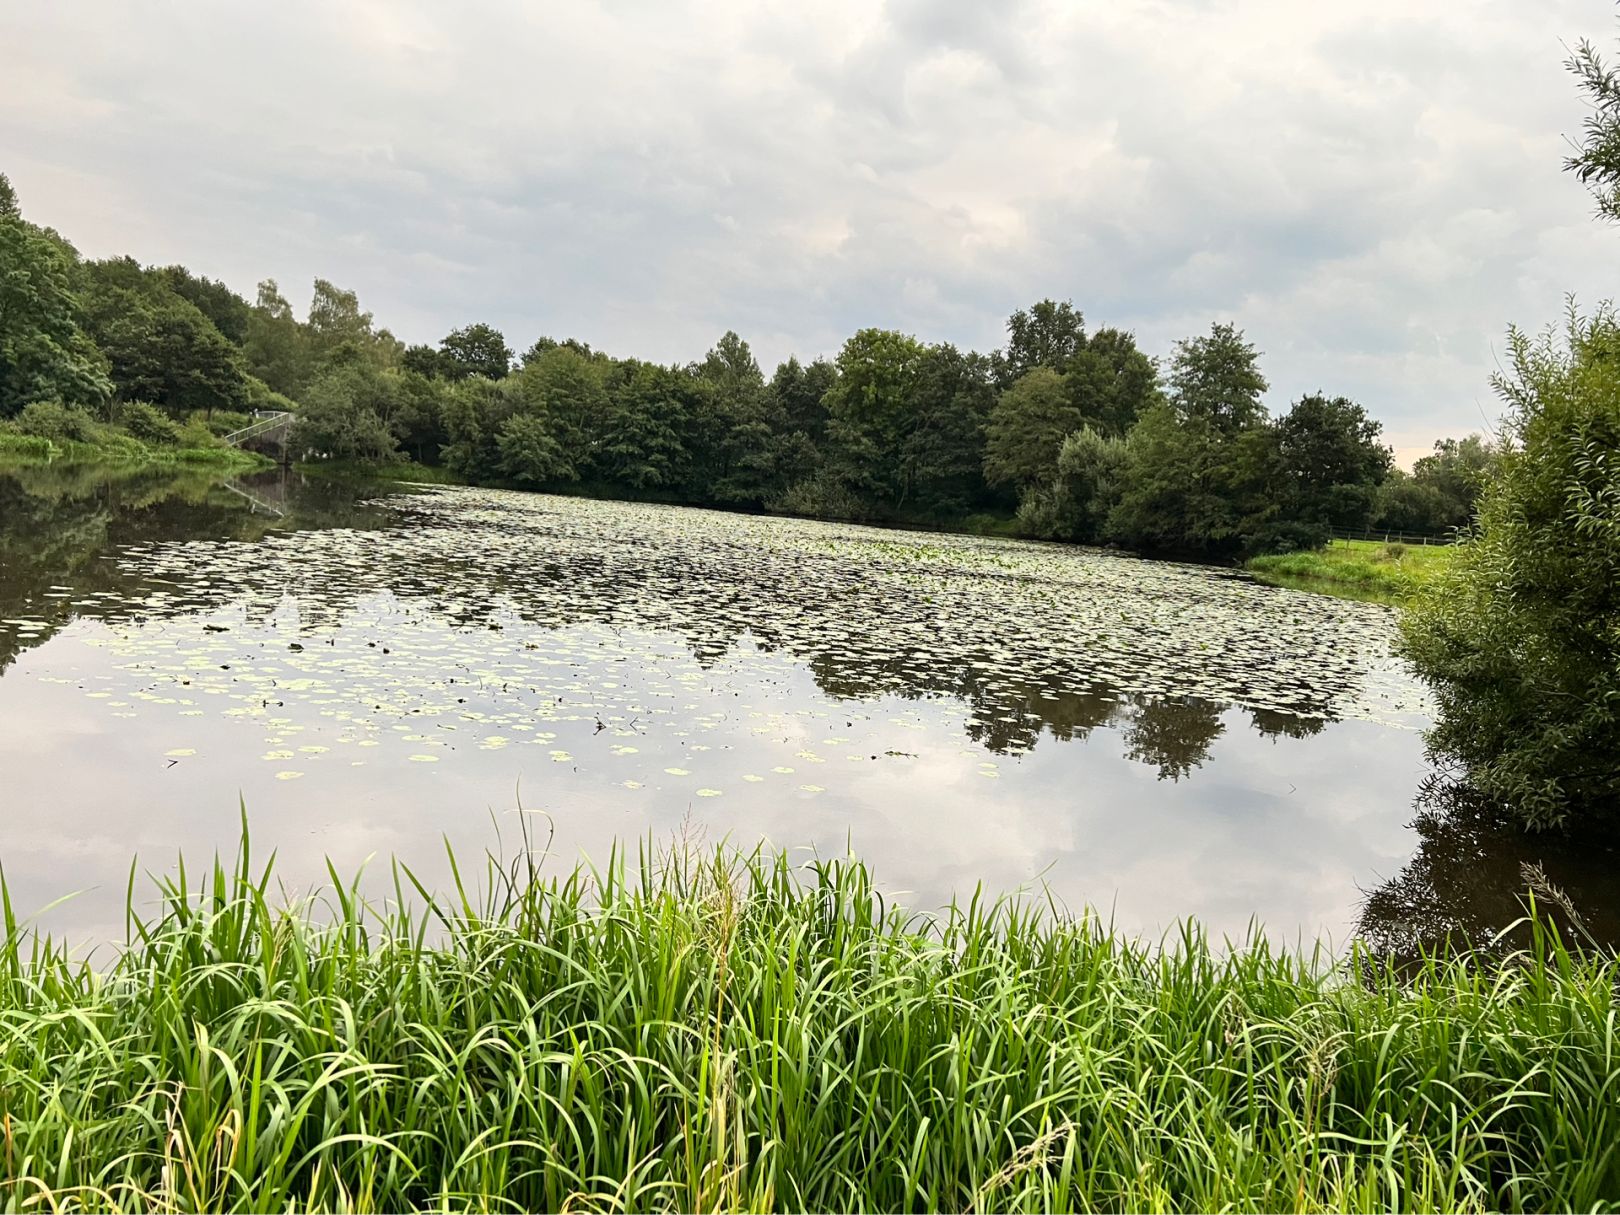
(1218, 378)
(570, 388)
(346, 413)
(729, 437)
(1405, 504)
(1048, 334)
(731, 365)
(1176, 487)
(474, 350)
(225, 310)
(338, 330)
(1111, 382)
(869, 411)
(1518, 636)
(277, 349)
(1090, 482)
(641, 446)
(800, 394)
(1597, 163)
(159, 347)
(423, 359)
(942, 454)
(44, 354)
(1331, 462)
(1457, 470)
(1027, 428)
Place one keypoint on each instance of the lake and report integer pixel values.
(372, 670)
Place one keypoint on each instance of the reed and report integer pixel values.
(707, 1030)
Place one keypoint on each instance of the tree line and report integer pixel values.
(1073, 433)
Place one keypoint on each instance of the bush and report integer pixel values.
(1089, 483)
(148, 423)
(1518, 637)
(822, 496)
(197, 433)
(221, 421)
(55, 421)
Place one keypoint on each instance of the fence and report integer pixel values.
(1390, 536)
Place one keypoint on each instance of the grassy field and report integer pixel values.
(1360, 569)
(703, 1032)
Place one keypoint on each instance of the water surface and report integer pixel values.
(371, 671)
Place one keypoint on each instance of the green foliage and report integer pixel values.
(26, 447)
(1027, 428)
(278, 350)
(893, 430)
(57, 422)
(160, 347)
(1111, 382)
(800, 395)
(345, 414)
(1178, 475)
(43, 353)
(1089, 484)
(226, 311)
(869, 412)
(1518, 638)
(1406, 504)
(260, 396)
(529, 452)
(1048, 334)
(712, 1032)
(150, 424)
(1217, 379)
(472, 350)
(1597, 160)
(650, 413)
(1331, 461)
(942, 455)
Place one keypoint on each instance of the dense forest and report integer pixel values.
(1072, 433)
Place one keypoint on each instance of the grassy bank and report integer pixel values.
(119, 448)
(400, 471)
(1360, 569)
(717, 1034)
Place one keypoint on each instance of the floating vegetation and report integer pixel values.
(626, 665)
(479, 616)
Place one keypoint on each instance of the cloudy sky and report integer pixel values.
(1372, 189)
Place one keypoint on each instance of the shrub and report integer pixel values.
(221, 421)
(55, 421)
(148, 423)
(197, 433)
(1518, 636)
(822, 496)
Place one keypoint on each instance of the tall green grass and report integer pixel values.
(1356, 569)
(705, 1032)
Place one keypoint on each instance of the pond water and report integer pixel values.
(373, 671)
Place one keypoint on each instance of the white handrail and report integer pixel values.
(267, 423)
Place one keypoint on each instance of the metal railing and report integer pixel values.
(264, 425)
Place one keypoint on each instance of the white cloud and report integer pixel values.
(1371, 190)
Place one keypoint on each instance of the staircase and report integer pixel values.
(272, 427)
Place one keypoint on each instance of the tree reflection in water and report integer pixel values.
(1471, 882)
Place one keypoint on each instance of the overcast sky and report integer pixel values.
(1371, 189)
